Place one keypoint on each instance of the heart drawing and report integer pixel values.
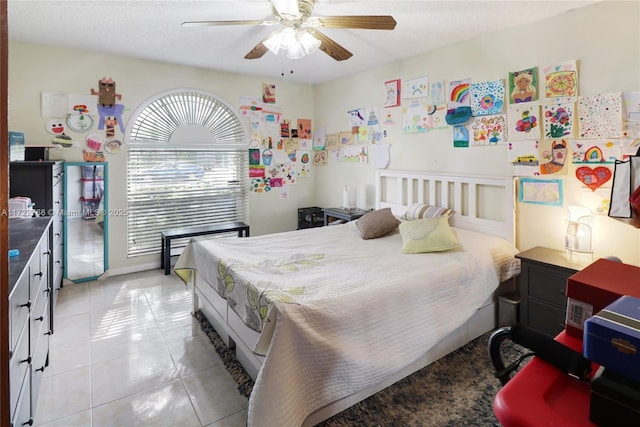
(593, 177)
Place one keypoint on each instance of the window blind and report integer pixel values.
(181, 188)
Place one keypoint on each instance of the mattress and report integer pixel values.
(337, 313)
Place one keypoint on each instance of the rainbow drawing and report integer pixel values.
(593, 154)
(460, 93)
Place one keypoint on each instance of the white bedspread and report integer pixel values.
(343, 313)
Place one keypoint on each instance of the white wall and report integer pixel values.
(34, 69)
(605, 40)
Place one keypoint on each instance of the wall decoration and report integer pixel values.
(332, 142)
(523, 86)
(113, 146)
(595, 151)
(487, 98)
(489, 130)
(389, 120)
(291, 144)
(53, 104)
(304, 129)
(460, 136)
(458, 102)
(415, 118)
(268, 93)
(81, 103)
(55, 126)
(256, 171)
(63, 141)
(541, 192)
(285, 128)
(319, 139)
(250, 106)
(106, 92)
(92, 156)
(267, 157)
(553, 156)
(354, 154)
(631, 102)
(416, 88)
(254, 156)
(271, 114)
(436, 92)
(391, 93)
(260, 185)
(94, 141)
(320, 158)
(592, 177)
(111, 113)
(600, 116)
(560, 82)
(346, 138)
(523, 155)
(438, 117)
(80, 122)
(356, 117)
(522, 120)
(558, 120)
(380, 155)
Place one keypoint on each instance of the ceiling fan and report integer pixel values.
(299, 34)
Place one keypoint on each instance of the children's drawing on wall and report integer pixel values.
(595, 151)
(113, 146)
(437, 118)
(354, 154)
(436, 92)
(600, 116)
(416, 88)
(107, 106)
(487, 98)
(79, 112)
(558, 120)
(391, 93)
(541, 192)
(250, 106)
(631, 103)
(291, 144)
(54, 104)
(380, 155)
(630, 142)
(347, 138)
(560, 82)
(304, 163)
(254, 156)
(271, 114)
(460, 136)
(55, 126)
(389, 120)
(522, 120)
(594, 177)
(260, 185)
(268, 93)
(332, 142)
(285, 128)
(415, 118)
(553, 156)
(320, 158)
(291, 156)
(289, 173)
(459, 102)
(63, 141)
(523, 155)
(304, 129)
(489, 130)
(319, 139)
(522, 85)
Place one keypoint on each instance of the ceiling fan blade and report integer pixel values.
(362, 22)
(219, 23)
(257, 52)
(330, 47)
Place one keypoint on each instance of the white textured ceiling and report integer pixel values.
(150, 29)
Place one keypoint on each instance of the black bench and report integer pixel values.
(200, 230)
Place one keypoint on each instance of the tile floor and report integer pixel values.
(127, 352)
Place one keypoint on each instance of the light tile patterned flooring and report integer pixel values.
(127, 352)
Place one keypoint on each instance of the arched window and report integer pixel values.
(187, 164)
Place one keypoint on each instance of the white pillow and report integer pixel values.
(420, 210)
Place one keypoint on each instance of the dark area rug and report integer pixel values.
(457, 390)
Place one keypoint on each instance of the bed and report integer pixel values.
(322, 318)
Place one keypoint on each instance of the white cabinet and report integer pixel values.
(29, 313)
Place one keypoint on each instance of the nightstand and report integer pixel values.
(543, 281)
(332, 215)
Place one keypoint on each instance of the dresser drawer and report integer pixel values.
(550, 285)
(39, 318)
(18, 366)
(545, 318)
(21, 413)
(39, 358)
(19, 304)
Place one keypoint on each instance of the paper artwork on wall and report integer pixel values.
(55, 126)
(553, 156)
(460, 136)
(437, 119)
(541, 192)
(256, 171)
(593, 177)
(631, 102)
(380, 155)
(304, 164)
(291, 144)
(271, 114)
(487, 98)
(319, 139)
(523, 86)
(594, 151)
(600, 116)
(268, 93)
(332, 142)
(415, 117)
(416, 88)
(558, 120)
(489, 130)
(458, 102)
(560, 82)
(53, 104)
(356, 117)
(522, 120)
(354, 154)
(250, 106)
(346, 138)
(304, 129)
(436, 92)
(391, 93)
(523, 155)
(320, 158)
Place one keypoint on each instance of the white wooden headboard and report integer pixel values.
(480, 203)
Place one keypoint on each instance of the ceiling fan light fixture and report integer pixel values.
(309, 43)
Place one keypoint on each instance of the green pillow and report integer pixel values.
(427, 235)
